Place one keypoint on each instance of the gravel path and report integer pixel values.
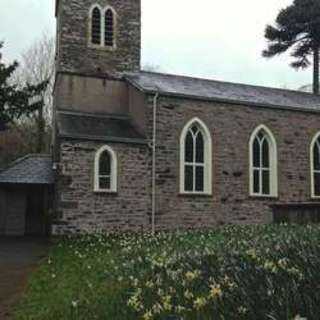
(18, 258)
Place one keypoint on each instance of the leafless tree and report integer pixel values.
(37, 65)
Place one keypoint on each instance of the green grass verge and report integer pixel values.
(258, 272)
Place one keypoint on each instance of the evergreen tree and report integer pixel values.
(17, 102)
(297, 27)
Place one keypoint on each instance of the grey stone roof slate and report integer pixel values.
(180, 86)
(31, 169)
(97, 127)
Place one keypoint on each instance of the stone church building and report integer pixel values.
(137, 150)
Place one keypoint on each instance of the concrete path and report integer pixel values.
(18, 258)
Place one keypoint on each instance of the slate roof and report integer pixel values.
(31, 169)
(97, 127)
(234, 93)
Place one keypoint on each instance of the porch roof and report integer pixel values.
(31, 169)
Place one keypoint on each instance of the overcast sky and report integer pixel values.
(215, 39)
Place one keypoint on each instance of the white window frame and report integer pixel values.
(102, 27)
(273, 160)
(207, 158)
(312, 169)
(113, 174)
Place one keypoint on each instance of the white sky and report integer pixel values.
(208, 38)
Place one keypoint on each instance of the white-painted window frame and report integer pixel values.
(207, 165)
(113, 174)
(315, 141)
(102, 27)
(273, 161)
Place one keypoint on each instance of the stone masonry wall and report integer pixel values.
(230, 127)
(82, 210)
(74, 53)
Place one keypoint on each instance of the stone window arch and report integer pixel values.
(263, 163)
(105, 170)
(195, 158)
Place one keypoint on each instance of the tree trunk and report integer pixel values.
(40, 130)
(316, 70)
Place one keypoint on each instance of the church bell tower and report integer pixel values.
(98, 36)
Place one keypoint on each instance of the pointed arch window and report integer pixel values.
(263, 163)
(195, 167)
(96, 26)
(105, 171)
(315, 166)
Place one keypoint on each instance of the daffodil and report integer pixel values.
(215, 291)
(199, 303)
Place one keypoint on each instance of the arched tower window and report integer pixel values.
(195, 157)
(263, 163)
(109, 28)
(96, 26)
(315, 166)
(102, 26)
(105, 171)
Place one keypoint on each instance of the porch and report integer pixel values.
(26, 189)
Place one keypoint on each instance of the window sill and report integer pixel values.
(105, 192)
(100, 47)
(262, 197)
(194, 195)
(315, 198)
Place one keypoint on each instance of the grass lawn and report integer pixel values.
(259, 272)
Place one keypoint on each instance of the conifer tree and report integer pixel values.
(297, 27)
(15, 102)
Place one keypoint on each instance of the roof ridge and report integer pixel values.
(225, 82)
(14, 163)
(94, 115)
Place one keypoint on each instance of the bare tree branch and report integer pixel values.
(37, 65)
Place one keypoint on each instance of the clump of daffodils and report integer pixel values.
(191, 274)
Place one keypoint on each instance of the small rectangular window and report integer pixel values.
(265, 154)
(317, 184)
(188, 181)
(266, 182)
(256, 181)
(256, 153)
(199, 149)
(199, 179)
(105, 183)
